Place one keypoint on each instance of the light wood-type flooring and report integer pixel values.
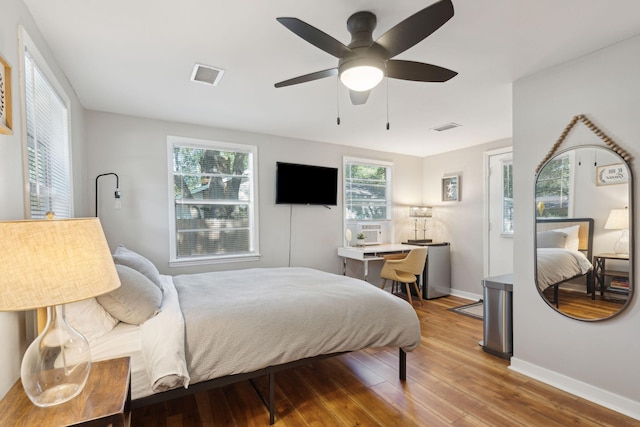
(450, 382)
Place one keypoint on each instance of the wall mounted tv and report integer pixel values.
(298, 184)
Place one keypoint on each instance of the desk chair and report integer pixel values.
(404, 270)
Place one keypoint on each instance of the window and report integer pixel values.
(214, 211)
(47, 138)
(507, 197)
(553, 188)
(367, 188)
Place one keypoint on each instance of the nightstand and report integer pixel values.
(105, 400)
(600, 275)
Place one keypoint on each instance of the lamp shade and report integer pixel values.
(618, 220)
(51, 262)
(420, 212)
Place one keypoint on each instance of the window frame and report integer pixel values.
(503, 232)
(25, 43)
(388, 191)
(254, 240)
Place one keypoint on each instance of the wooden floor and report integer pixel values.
(450, 382)
(580, 305)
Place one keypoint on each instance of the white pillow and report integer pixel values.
(89, 318)
(135, 301)
(551, 239)
(573, 242)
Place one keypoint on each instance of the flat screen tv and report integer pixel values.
(298, 184)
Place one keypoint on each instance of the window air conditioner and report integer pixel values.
(372, 233)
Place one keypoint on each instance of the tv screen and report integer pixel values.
(306, 185)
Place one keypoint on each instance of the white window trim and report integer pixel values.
(350, 222)
(25, 41)
(508, 234)
(253, 219)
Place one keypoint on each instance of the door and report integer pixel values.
(499, 212)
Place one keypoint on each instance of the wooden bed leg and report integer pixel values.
(402, 360)
(272, 388)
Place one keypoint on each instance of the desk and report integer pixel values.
(370, 253)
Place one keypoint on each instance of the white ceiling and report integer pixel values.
(136, 58)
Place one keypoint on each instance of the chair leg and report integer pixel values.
(415, 286)
(408, 289)
(384, 283)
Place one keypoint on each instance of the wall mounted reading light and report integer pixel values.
(117, 204)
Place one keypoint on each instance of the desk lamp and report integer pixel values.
(47, 263)
(420, 212)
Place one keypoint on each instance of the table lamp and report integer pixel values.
(420, 212)
(47, 263)
(619, 220)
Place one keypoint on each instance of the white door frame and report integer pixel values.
(485, 222)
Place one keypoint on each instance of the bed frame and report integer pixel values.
(269, 371)
(585, 244)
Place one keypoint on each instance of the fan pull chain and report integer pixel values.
(338, 100)
(387, 103)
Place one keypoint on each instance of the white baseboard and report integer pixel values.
(466, 295)
(597, 395)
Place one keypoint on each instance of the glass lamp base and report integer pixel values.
(622, 245)
(56, 365)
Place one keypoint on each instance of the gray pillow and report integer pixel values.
(135, 301)
(551, 239)
(131, 259)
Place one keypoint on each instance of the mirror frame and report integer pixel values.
(624, 158)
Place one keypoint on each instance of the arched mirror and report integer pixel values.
(584, 212)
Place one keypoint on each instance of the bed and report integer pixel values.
(563, 253)
(214, 329)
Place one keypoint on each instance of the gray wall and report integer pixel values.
(136, 150)
(596, 360)
(460, 223)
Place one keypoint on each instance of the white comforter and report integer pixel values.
(244, 320)
(557, 265)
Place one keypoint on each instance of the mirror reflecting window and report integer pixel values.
(583, 211)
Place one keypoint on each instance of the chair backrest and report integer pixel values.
(414, 262)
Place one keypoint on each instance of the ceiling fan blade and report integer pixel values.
(415, 28)
(418, 71)
(316, 37)
(308, 77)
(359, 98)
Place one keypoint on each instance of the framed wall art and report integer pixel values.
(612, 174)
(451, 188)
(5, 97)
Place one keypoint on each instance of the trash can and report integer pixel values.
(498, 315)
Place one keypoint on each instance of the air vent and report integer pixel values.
(206, 74)
(446, 127)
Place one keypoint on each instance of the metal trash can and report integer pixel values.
(498, 315)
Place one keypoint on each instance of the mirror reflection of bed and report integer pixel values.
(565, 274)
(573, 205)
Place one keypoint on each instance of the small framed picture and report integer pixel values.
(612, 174)
(450, 189)
(5, 97)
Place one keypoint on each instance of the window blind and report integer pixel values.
(47, 145)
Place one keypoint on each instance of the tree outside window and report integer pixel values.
(367, 191)
(213, 189)
(553, 189)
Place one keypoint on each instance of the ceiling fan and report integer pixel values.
(363, 62)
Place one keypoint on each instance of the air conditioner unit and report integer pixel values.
(372, 233)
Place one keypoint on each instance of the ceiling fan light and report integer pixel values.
(361, 78)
